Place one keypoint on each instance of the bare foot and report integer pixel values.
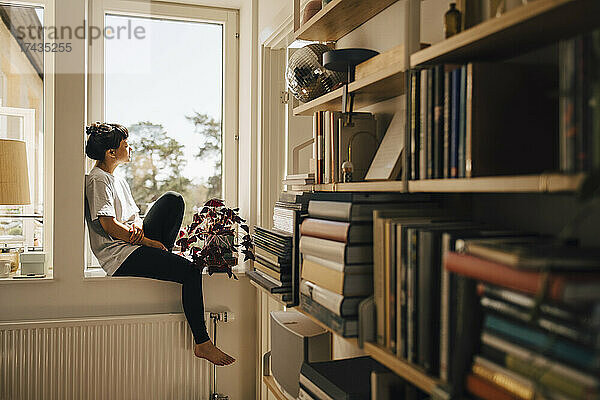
(208, 351)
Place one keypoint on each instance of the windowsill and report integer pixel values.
(10, 280)
(98, 274)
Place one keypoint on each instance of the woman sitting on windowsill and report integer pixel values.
(126, 246)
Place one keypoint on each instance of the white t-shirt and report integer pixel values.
(108, 195)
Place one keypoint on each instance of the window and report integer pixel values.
(25, 114)
(169, 74)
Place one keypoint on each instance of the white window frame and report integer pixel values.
(47, 127)
(229, 19)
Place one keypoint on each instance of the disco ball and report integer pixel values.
(306, 76)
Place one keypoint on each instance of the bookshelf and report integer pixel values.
(338, 18)
(533, 25)
(382, 85)
(543, 183)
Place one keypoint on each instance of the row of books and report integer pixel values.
(480, 119)
(333, 140)
(579, 82)
(540, 318)
(336, 245)
(428, 315)
(353, 378)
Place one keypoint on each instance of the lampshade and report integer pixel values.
(14, 178)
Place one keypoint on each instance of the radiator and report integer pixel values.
(125, 357)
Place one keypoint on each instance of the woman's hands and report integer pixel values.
(129, 233)
(136, 234)
(153, 243)
(137, 237)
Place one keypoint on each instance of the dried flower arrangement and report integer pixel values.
(212, 239)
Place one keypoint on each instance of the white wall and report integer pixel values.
(70, 294)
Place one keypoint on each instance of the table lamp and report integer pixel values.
(14, 176)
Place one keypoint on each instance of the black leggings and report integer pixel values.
(162, 223)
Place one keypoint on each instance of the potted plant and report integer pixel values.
(212, 238)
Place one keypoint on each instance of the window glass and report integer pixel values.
(21, 116)
(166, 88)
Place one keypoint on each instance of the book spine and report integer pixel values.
(455, 127)
(486, 390)
(338, 211)
(315, 146)
(540, 374)
(444, 314)
(430, 122)
(446, 126)
(331, 230)
(438, 122)
(391, 236)
(581, 84)
(320, 148)
(404, 253)
(328, 299)
(462, 127)
(335, 145)
(415, 117)
(589, 339)
(567, 105)
(378, 277)
(423, 125)
(465, 332)
(425, 296)
(516, 387)
(347, 327)
(492, 272)
(321, 248)
(266, 269)
(574, 354)
(400, 266)
(327, 154)
(580, 316)
(412, 339)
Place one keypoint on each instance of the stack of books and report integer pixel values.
(289, 210)
(276, 267)
(299, 179)
(540, 306)
(336, 246)
(328, 380)
(273, 252)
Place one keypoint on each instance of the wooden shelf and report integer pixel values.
(382, 85)
(375, 186)
(535, 24)
(400, 367)
(350, 341)
(274, 296)
(340, 17)
(273, 388)
(544, 183)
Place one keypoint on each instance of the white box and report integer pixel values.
(33, 262)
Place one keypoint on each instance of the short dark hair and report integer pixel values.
(102, 137)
